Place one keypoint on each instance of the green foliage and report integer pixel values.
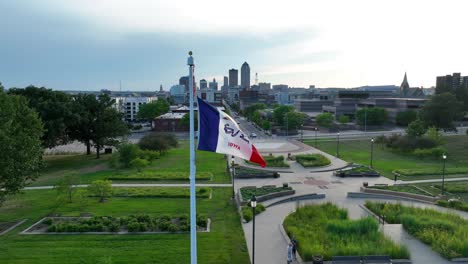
(161, 176)
(252, 110)
(375, 116)
(154, 109)
(247, 212)
(294, 119)
(247, 192)
(138, 164)
(266, 125)
(442, 110)
(455, 204)
(434, 134)
(432, 152)
(406, 117)
(54, 109)
(416, 129)
(325, 120)
(185, 121)
(65, 187)
(127, 153)
(445, 233)
(280, 112)
(326, 230)
(160, 192)
(273, 161)
(431, 171)
(101, 189)
(408, 143)
(312, 160)
(20, 139)
(343, 119)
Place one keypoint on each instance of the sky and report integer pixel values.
(96, 44)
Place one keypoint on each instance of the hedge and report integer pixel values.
(161, 176)
(203, 192)
(312, 160)
(247, 211)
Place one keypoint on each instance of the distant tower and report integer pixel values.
(233, 77)
(184, 80)
(160, 88)
(226, 81)
(404, 87)
(203, 84)
(245, 76)
(256, 78)
(213, 85)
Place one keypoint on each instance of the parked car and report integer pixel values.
(253, 135)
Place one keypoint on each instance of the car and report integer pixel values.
(253, 135)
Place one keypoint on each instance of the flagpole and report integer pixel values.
(193, 209)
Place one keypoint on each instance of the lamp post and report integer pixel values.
(253, 204)
(233, 177)
(371, 152)
(315, 137)
(338, 144)
(444, 157)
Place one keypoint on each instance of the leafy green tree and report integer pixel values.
(434, 134)
(266, 125)
(280, 112)
(406, 117)
(257, 117)
(20, 139)
(139, 163)
(416, 128)
(65, 187)
(343, 119)
(375, 116)
(442, 110)
(251, 110)
(185, 121)
(54, 108)
(151, 110)
(84, 108)
(325, 119)
(101, 189)
(295, 119)
(154, 142)
(127, 153)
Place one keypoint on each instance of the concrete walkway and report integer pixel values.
(433, 180)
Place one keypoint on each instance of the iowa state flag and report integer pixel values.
(218, 132)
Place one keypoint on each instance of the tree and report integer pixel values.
(374, 116)
(434, 134)
(280, 112)
(21, 131)
(54, 108)
(139, 164)
(151, 110)
(416, 129)
(343, 119)
(442, 110)
(251, 110)
(154, 142)
(65, 187)
(101, 189)
(325, 120)
(84, 108)
(266, 125)
(127, 153)
(406, 117)
(295, 119)
(106, 124)
(185, 121)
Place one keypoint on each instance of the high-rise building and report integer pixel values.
(264, 87)
(280, 88)
(203, 84)
(245, 76)
(450, 83)
(233, 77)
(226, 81)
(184, 80)
(213, 85)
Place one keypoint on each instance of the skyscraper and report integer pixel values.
(226, 81)
(213, 85)
(203, 84)
(233, 77)
(184, 80)
(245, 76)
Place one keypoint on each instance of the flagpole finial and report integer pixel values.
(190, 53)
(190, 59)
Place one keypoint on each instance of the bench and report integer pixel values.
(377, 259)
(346, 260)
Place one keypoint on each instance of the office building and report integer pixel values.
(226, 82)
(245, 76)
(264, 87)
(203, 84)
(213, 85)
(450, 83)
(233, 78)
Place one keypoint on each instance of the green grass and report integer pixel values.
(327, 231)
(403, 188)
(210, 167)
(160, 192)
(312, 160)
(385, 161)
(224, 244)
(247, 192)
(273, 161)
(445, 233)
(160, 176)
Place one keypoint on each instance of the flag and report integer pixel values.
(218, 132)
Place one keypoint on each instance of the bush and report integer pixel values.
(47, 221)
(432, 152)
(312, 160)
(247, 211)
(127, 153)
(138, 163)
(202, 221)
(172, 228)
(101, 189)
(325, 120)
(158, 142)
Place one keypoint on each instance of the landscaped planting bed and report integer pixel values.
(326, 230)
(273, 161)
(360, 171)
(402, 188)
(431, 171)
(243, 172)
(312, 160)
(160, 192)
(247, 212)
(446, 233)
(108, 224)
(454, 204)
(247, 192)
(161, 176)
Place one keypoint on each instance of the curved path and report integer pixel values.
(271, 244)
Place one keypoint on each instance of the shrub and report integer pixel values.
(325, 120)
(158, 142)
(101, 189)
(47, 221)
(432, 152)
(127, 153)
(138, 163)
(172, 228)
(202, 221)
(133, 226)
(312, 160)
(247, 214)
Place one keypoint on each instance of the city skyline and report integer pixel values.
(89, 46)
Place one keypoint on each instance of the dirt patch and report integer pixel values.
(96, 168)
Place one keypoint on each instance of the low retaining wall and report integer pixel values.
(364, 195)
(266, 196)
(299, 198)
(401, 194)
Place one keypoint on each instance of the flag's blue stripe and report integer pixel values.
(208, 118)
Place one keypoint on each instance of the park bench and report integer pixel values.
(346, 260)
(376, 259)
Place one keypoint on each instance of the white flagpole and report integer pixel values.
(193, 209)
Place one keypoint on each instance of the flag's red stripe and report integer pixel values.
(257, 158)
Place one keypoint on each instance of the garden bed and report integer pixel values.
(243, 172)
(161, 176)
(312, 160)
(402, 188)
(444, 232)
(7, 226)
(145, 224)
(160, 192)
(326, 230)
(247, 212)
(360, 171)
(264, 193)
(430, 171)
(272, 161)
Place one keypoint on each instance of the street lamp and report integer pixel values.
(338, 144)
(315, 137)
(371, 152)
(444, 157)
(253, 204)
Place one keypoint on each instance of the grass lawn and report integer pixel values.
(385, 161)
(175, 162)
(224, 244)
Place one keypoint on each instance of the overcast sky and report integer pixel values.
(92, 44)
